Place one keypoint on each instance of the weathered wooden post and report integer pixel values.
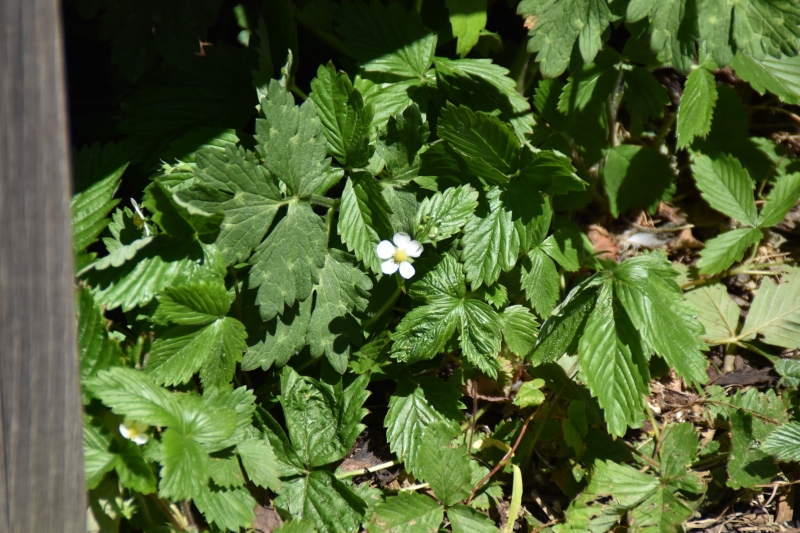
(41, 459)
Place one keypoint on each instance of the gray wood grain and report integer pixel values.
(41, 460)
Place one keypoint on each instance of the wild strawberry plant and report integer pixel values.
(434, 284)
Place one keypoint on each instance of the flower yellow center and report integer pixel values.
(400, 256)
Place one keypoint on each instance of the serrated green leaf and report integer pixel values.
(465, 519)
(782, 198)
(90, 209)
(789, 370)
(671, 31)
(444, 465)
(778, 75)
(259, 462)
(344, 116)
(225, 471)
(726, 186)
(399, 146)
(97, 458)
(407, 513)
(184, 470)
(286, 336)
(341, 290)
(442, 215)
(291, 141)
(540, 281)
(325, 500)
(763, 27)
(235, 182)
(726, 249)
(645, 97)
(208, 419)
(784, 442)
(131, 394)
(241, 403)
(635, 177)
(364, 218)
(556, 27)
(192, 305)
(592, 82)
(288, 462)
(565, 244)
(426, 329)
(714, 25)
(229, 509)
(286, 265)
(97, 351)
(529, 394)
(664, 319)
(697, 106)
(467, 18)
(547, 171)
(719, 314)
(748, 465)
(613, 363)
(297, 526)
(176, 218)
(519, 329)
(491, 241)
(415, 405)
(132, 468)
(386, 39)
(775, 312)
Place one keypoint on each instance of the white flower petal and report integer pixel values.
(389, 267)
(414, 248)
(401, 240)
(124, 431)
(406, 270)
(141, 439)
(385, 250)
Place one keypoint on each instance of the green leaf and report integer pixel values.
(414, 406)
(593, 82)
(468, 19)
(714, 23)
(465, 519)
(210, 419)
(286, 336)
(565, 244)
(556, 27)
(426, 329)
(131, 394)
(540, 281)
(193, 305)
(291, 141)
(386, 39)
(491, 241)
(775, 312)
(322, 424)
(177, 219)
(235, 182)
(364, 218)
(671, 31)
(789, 370)
(726, 249)
(635, 177)
(286, 265)
(399, 146)
(664, 319)
(259, 462)
(407, 513)
(778, 75)
(645, 97)
(185, 469)
(320, 497)
(519, 329)
(90, 209)
(341, 290)
(96, 349)
(726, 186)
(782, 198)
(97, 459)
(225, 471)
(442, 215)
(529, 394)
(345, 118)
(784, 442)
(288, 462)
(748, 465)
(230, 509)
(613, 363)
(443, 465)
(697, 106)
(545, 170)
(763, 27)
(719, 314)
(297, 526)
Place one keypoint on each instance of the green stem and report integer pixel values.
(296, 90)
(329, 223)
(387, 305)
(232, 272)
(323, 201)
(665, 129)
(365, 471)
(414, 487)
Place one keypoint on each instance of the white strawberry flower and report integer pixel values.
(135, 431)
(400, 255)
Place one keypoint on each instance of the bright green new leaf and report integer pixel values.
(407, 513)
(325, 500)
(90, 209)
(344, 116)
(784, 442)
(726, 249)
(782, 198)
(556, 27)
(286, 265)
(292, 141)
(465, 519)
(424, 331)
(565, 245)
(442, 215)
(775, 312)
(228, 509)
(132, 394)
(719, 314)
(225, 471)
(467, 18)
(185, 469)
(529, 394)
(780, 76)
(697, 106)
(259, 462)
(193, 305)
(364, 218)
(97, 458)
(414, 406)
(241, 403)
(726, 186)
(519, 329)
(443, 464)
(540, 281)
(491, 241)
